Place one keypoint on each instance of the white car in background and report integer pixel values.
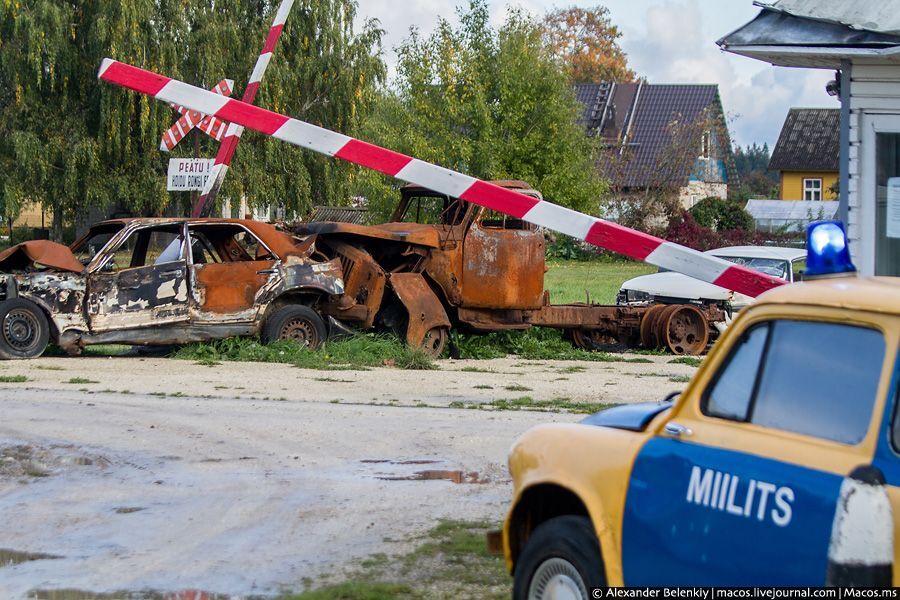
(668, 287)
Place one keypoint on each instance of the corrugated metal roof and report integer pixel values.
(339, 214)
(790, 215)
(809, 141)
(880, 16)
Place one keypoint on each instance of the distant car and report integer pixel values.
(674, 288)
(779, 464)
(163, 281)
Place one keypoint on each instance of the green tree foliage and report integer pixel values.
(492, 103)
(71, 143)
(721, 215)
(752, 165)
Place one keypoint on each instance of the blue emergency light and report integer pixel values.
(827, 252)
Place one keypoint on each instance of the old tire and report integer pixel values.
(560, 559)
(24, 329)
(435, 341)
(295, 322)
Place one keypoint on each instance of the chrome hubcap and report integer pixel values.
(557, 579)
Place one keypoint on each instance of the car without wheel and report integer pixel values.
(742, 478)
(161, 281)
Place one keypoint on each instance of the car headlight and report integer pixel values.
(636, 296)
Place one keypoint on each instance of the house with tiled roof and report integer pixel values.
(642, 126)
(807, 154)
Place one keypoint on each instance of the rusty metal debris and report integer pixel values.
(442, 263)
(159, 281)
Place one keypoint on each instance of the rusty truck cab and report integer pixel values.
(486, 261)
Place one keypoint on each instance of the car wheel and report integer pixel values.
(435, 341)
(295, 322)
(561, 559)
(24, 329)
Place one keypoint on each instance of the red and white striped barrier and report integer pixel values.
(234, 131)
(191, 118)
(631, 243)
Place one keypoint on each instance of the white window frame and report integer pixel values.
(815, 192)
(705, 144)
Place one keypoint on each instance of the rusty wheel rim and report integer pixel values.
(301, 331)
(21, 329)
(434, 341)
(591, 339)
(686, 331)
(648, 326)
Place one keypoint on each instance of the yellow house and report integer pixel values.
(807, 154)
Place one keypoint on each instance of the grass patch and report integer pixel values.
(680, 378)
(13, 379)
(691, 361)
(476, 370)
(451, 562)
(80, 380)
(559, 404)
(357, 352)
(567, 280)
(49, 368)
(483, 386)
(516, 387)
(537, 343)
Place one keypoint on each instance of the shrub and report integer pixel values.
(721, 215)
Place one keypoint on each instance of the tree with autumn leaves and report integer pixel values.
(587, 43)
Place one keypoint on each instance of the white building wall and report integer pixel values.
(874, 89)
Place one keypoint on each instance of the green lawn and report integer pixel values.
(567, 280)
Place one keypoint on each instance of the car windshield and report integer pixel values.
(86, 248)
(770, 266)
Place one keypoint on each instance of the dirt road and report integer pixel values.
(157, 474)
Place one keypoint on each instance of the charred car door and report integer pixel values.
(503, 263)
(140, 281)
(229, 266)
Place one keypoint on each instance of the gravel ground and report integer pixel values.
(246, 478)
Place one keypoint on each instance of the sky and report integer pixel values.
(666, 41)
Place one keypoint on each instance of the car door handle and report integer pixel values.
(677, 429)
(267, 272)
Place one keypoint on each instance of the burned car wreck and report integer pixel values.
(160, 281)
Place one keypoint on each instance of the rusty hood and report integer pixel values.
(411, 233)
(42, 252)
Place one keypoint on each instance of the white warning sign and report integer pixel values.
(188, 174)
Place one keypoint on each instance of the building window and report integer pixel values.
(704, 145)
(812, 189)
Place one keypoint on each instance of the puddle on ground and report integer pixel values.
(125, 510)
(14, 557)
(439, 475)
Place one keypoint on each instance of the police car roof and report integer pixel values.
(874, 294)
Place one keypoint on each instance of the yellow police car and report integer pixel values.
(777, 465)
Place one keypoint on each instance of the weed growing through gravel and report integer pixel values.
(690, 361)
(559, 404)
(13, 379)
(359, 352)
(680, 378)
(516, 387)
(80, 380)
(451, 562)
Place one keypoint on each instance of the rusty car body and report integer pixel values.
(156, 281)
(441, 262)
